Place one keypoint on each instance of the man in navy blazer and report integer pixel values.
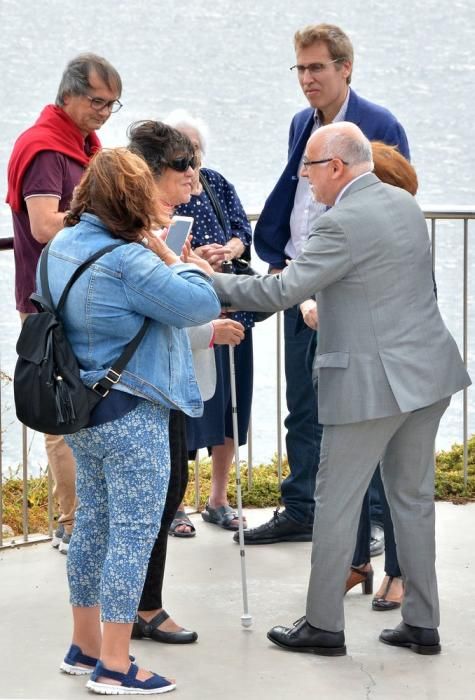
(324, 61)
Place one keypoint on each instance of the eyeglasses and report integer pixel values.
(98, 104)
(314, 68)
(181, 165)
(306, 163)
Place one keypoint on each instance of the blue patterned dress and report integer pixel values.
(216, 421)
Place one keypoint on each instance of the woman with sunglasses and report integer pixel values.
(221, 233)
(170, 156)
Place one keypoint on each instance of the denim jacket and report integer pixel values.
(106, 307)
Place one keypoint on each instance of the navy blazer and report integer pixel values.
(272, 231)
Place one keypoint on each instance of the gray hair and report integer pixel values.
(180, 118)
(75, 79)
(354, 149)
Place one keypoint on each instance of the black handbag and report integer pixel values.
(49, 394)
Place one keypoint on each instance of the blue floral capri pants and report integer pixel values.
(123, 469)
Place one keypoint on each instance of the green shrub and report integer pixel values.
(264, 492)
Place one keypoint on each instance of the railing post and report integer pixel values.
(197, 481)
(1, 466)
(25, 483)
(465, 349)
(249, 453)
(50, 501)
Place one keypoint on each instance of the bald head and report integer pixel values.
(346, 141)
(343, 152)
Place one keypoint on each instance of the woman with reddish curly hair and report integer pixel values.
(122, 456)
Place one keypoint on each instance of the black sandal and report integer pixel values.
(149, 630)
(181, 518)
(223, 516)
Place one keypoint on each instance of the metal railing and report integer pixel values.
(434, 215)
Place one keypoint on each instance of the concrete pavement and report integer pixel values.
(202, 591)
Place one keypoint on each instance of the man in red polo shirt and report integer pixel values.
(46, 164)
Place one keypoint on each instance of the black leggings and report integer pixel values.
(152, 591)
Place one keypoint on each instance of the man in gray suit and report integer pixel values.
(386, 367)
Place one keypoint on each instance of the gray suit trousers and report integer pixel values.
(349, 454)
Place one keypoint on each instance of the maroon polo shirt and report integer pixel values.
(50, 173)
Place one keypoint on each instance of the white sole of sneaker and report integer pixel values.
(106, 689)
(63, 548)
(75, 670)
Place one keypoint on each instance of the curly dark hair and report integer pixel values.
(158, 144)
(120, 189)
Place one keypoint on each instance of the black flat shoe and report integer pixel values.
(149, 630)
(311, 640)
(422, 640)
(280, 528)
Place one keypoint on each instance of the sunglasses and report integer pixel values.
(181, 165)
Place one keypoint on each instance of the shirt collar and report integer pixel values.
(340, 117)
(348, 184)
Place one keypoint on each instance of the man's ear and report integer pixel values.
(346, 68)
(336, 168)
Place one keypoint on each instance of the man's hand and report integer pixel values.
(228, 332)
(309, 312)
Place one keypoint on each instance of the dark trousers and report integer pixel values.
(152, 591)
(391, 564)
(304, 433)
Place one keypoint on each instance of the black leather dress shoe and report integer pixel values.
(422, 640)
(376, 544)
(149, 630)
(280, 528)
(312, 640)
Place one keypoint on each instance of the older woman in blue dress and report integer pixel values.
(220, 232)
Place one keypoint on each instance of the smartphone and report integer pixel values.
(178, 232)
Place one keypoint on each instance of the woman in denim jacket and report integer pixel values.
(123, 455)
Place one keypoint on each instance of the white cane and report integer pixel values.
(246, 618)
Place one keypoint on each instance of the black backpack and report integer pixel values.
(49, 394)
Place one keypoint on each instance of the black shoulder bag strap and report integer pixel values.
(218, 210)
(103, 386)
(216, 204)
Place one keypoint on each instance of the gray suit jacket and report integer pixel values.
(383, 347)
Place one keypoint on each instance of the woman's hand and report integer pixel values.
(155, 241)
(309, 313)
(227, 332)
(215, 254)
(188, 255)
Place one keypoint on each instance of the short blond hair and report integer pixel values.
(337, 42)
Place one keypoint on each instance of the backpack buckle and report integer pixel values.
(101, 390)
(113, 379)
